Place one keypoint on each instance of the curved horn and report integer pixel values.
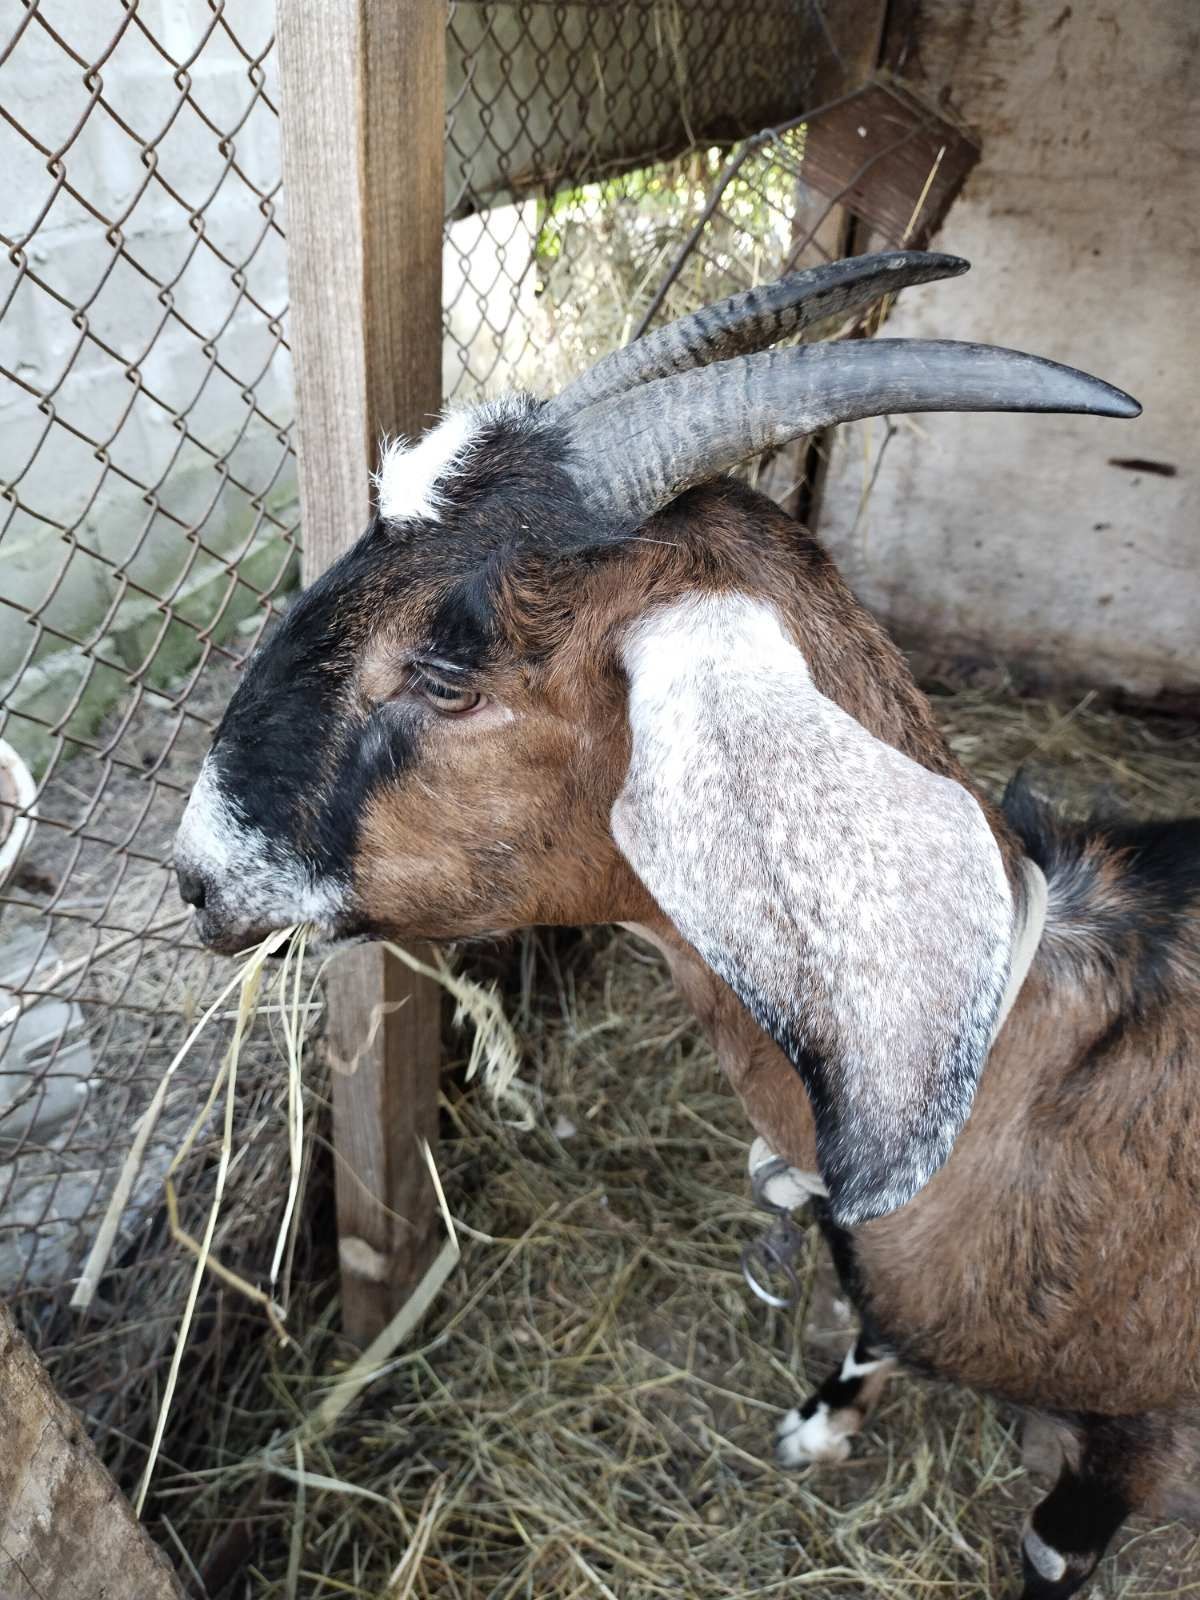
(636, 452)
(752, 321)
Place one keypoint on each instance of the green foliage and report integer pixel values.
(671, 195)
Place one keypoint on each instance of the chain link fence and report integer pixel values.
(607, 165)
(149, 528)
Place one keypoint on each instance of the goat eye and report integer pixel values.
(443, 697)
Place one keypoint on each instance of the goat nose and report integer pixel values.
(191, 887)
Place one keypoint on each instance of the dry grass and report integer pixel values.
(587, 1409)
(1082, 754)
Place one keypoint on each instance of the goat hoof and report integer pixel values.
(806, 1437)
(1053, 1585)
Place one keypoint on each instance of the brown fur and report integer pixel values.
(1053, 1261)
(521, 818)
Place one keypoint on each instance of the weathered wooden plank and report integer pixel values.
(363, 105)
(582, 91)
(66, 1530)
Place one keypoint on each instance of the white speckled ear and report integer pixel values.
(854, 901)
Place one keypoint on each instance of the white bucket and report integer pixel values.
(18, 810)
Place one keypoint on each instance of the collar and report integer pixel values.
(1025, 941)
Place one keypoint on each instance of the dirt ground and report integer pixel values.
(94, 916)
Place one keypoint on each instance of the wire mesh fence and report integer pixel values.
(607, 166)
(149, 526)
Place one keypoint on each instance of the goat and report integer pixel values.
(569, 674)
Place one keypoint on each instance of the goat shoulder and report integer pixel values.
(1054, 1260)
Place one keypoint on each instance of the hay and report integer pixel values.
(587, 1410)
(1082, 754)
(494, 1050)
(250, 979)
(494, 1047)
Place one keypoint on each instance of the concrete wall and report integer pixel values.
(84, 542)
(1020, 538)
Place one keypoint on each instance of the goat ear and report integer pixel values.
(855, 902)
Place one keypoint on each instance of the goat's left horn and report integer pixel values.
(753, 320)
(635, 452)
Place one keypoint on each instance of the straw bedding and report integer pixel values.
(587, 1410)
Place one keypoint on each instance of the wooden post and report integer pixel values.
(363, 109)
(66, 1530)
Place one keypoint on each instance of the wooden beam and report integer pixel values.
(363, 108)
(66, 1530)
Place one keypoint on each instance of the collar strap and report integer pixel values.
(1025, 940)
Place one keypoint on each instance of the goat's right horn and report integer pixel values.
(753, 320)
(634, 453)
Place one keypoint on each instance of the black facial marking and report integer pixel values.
(296, 752)
(511, 503)
(513, 495)
(300, 752)
(462, 629)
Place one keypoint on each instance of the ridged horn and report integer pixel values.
(753, 320)
(634, 453)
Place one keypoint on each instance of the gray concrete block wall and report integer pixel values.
(167, 313)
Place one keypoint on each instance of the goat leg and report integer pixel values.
(821, 1429)
(1117, 1472)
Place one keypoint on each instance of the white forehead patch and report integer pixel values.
(410, 483)
(413, 479)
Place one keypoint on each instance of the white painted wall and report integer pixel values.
(1015, 537)
(489, 283)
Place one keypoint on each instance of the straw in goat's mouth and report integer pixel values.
(494, 1055)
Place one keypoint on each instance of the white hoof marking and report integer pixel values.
(1044, 1558)
(825, 1436)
